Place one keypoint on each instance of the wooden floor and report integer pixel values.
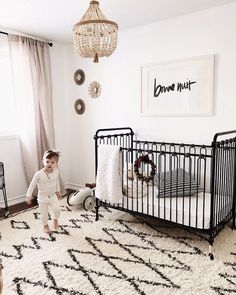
(21, 206)
(18, 207)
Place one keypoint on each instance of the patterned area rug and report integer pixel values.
(119, 254)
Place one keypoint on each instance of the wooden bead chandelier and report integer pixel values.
(94, 36)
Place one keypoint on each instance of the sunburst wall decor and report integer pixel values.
(94, 89)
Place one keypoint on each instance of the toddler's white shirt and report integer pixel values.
(48, 183)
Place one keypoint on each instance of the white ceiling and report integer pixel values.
(54, 19)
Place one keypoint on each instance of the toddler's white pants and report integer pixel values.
(48, 201)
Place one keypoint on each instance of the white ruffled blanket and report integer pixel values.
(108, 181)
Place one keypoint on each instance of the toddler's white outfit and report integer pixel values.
(48, 185)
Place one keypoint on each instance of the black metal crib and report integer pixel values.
(187, 185)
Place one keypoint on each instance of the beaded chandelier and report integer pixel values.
(94, 35)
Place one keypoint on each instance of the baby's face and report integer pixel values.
(50, 163)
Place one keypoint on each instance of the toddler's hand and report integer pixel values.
(28, 201)
(58, 194)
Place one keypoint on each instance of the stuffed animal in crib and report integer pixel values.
(131, 174)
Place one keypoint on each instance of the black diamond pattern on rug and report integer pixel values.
(19, 224)
(229, 276)
(119, 254)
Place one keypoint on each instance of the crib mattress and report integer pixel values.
(191, 211)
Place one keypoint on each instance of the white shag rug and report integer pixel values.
(119, 254)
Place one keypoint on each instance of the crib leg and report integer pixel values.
(233, 225)
(97, 207)
(211, 241)
(233, 215)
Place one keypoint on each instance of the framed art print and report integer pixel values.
(178, 88)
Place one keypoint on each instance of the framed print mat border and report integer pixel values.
(182, 87)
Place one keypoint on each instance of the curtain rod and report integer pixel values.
(5, 33)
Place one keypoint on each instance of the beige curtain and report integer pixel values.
(31, 69)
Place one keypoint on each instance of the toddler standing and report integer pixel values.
(47, 180)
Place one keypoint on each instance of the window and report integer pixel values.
(7, 100)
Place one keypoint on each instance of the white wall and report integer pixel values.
(207, 32)
(61, 76)
(14, 175)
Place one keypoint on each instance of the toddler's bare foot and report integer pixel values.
(47, 229)
(55, 223)
(28, 201)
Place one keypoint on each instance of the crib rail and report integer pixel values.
(107, 132)
(170, 144)
(202, 194)
(114, 136)
(223, 180)
(186, 201)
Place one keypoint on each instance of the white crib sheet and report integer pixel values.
(188, 211)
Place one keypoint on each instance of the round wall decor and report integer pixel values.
(94, 89)
(79, 77)
(79, 106)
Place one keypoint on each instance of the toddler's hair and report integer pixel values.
(51, 154)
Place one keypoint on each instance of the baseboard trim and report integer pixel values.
(73, 186)
(13, 201)
(21, 199)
